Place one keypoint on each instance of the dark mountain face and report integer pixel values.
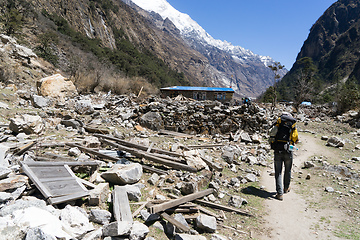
(333, 45)
(334, 41)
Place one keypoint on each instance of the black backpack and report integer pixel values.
(282, 137)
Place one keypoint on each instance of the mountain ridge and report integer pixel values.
(246, 72)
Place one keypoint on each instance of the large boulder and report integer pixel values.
(56, 86)
(152, 120)
(26, 123)
(123, 174)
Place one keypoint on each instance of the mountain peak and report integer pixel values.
(188, 26)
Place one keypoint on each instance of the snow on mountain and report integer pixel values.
(188, 27)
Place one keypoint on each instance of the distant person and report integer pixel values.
(246, 101)
(283, 137)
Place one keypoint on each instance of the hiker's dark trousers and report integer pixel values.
(280, 158)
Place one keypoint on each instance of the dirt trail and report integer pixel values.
(291, 218)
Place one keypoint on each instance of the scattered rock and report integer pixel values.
(237, 201)
(123, 174)
(26, 123)
(329, 189)
(206, 223)
(100, 216)
(138, 231)
(335, 142)
(308, 164)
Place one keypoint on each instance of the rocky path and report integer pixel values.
(291, 218)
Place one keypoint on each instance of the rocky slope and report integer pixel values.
(333, 44)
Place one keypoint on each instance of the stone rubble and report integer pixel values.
(241, 130)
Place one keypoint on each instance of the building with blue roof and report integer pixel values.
(199, 93)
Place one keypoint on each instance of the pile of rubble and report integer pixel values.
(105, 166)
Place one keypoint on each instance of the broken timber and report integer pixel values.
(172, 203)
(201, 209)
(137, 146)
(111, 158)
(24, 148)
(174, 222)
(56, 182)
(222, 207)
(121, 207)
(151, 157)
(176, 134)
(96, 130)
(204, 146)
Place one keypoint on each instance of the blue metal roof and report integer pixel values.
(209, 89)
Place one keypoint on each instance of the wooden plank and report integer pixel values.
(24, 148)
(75, 163)
(148, 156)
(137, 146)
(96, 153)
(66, 198)
(96, 130)
(213, 165)
(42, 188)
(176, 134)
(50, 171)
(204, 146)
(202, 209)
(154, 170)
(114, 159)
(139, 209)
(222, 207)
(86, 183)
(59, 157)
(172, 203)
(59, 187)
(174, 222)
(121, 207)
(150, 147)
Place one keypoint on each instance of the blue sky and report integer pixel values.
(275, 28)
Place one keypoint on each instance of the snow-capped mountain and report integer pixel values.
(247, 73)
(189, 27)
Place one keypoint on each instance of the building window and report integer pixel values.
(199, 95)
(220, 96)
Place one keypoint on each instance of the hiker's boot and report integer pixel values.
(287, 190)
(279, 197)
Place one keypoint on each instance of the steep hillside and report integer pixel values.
(94, 39)
(333, 45)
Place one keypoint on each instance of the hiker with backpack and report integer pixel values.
(283, 137)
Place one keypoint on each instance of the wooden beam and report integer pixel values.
(62, 163)
(137, 146)
(202, 209)
(151, 157)
(222, 207)
(139, 209)
(204, 146)
(24, 148)
(213, 165)
(174, 222)
(121, 207)
(172, 203)
(114, 159)
(96, 130)
(176, 134)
